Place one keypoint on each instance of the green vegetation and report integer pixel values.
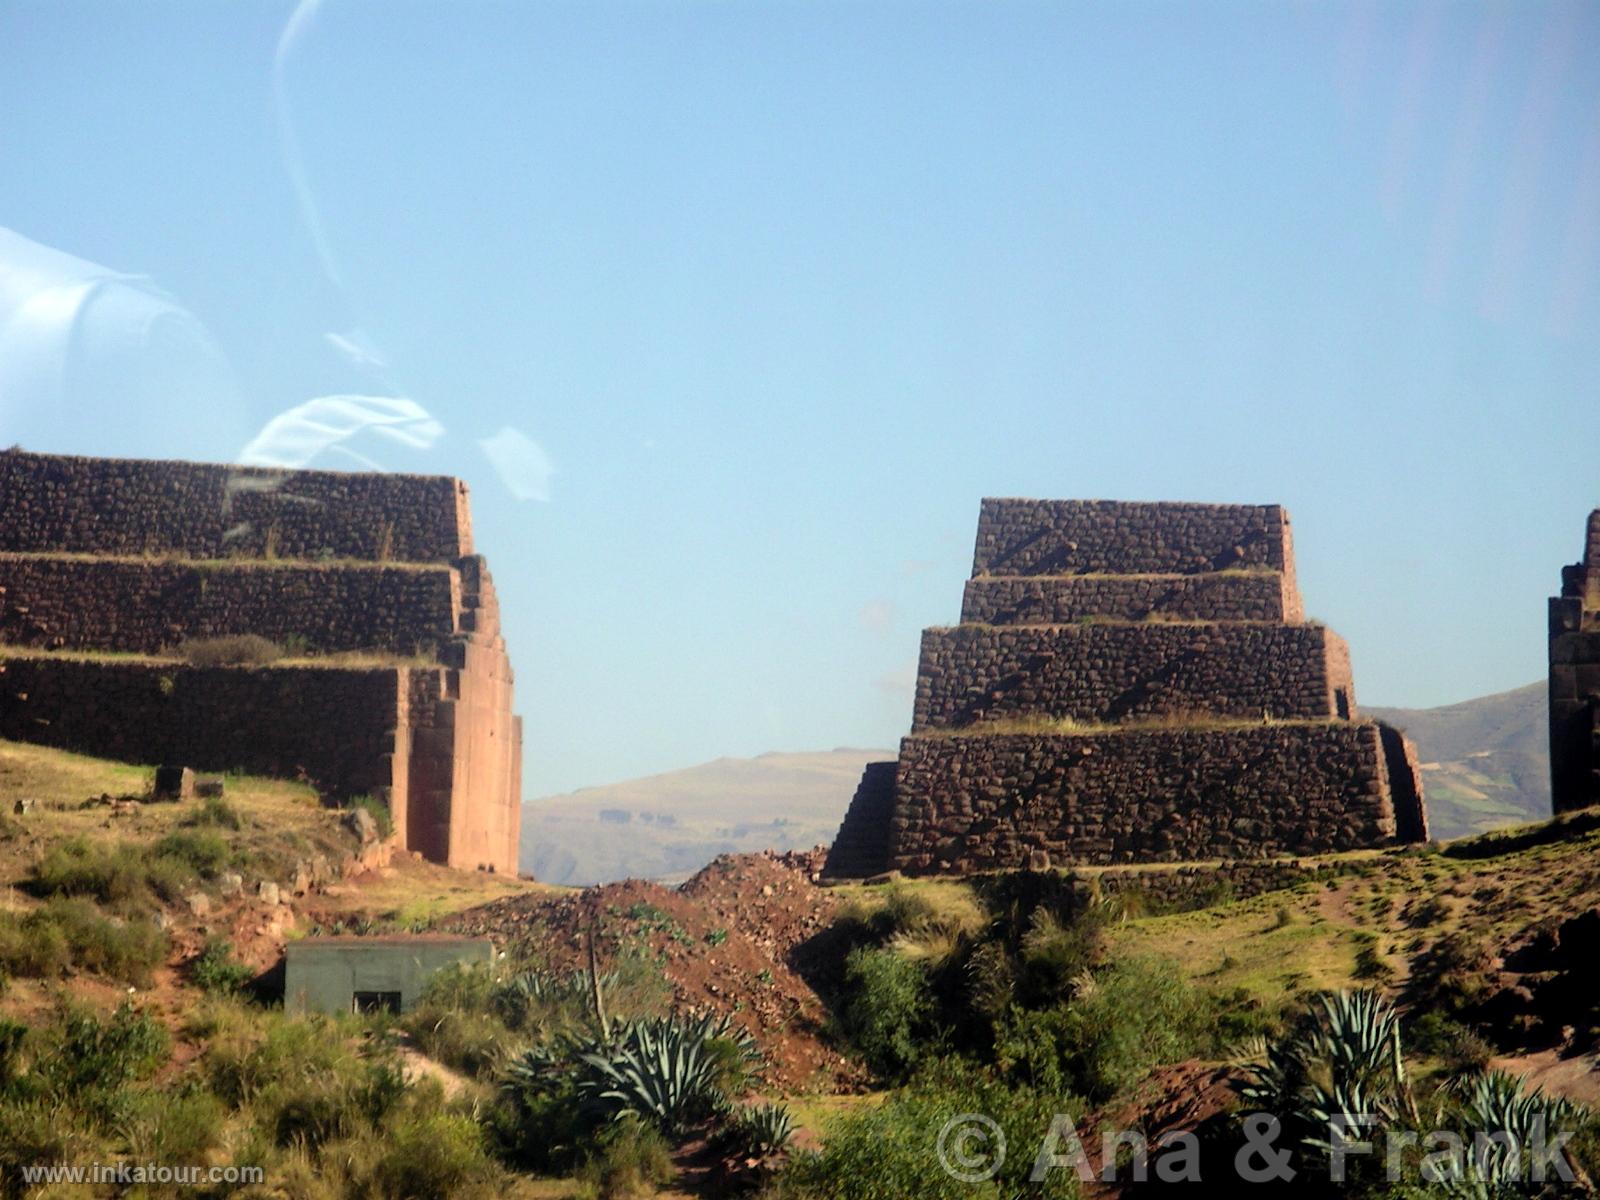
(68, 934)
(214, 969)
(247, 649)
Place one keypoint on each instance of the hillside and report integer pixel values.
(669, 826)
(1485, 762)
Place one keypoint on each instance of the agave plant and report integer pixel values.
(663, 1069)
(666, 1070)
(762, 1130)
(1341, 1065)
(1503, 1122)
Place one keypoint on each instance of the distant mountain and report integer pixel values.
(668, 826)
(1485, 762)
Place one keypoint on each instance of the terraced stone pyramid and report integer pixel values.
(1130, 683)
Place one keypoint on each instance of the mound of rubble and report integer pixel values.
(732, 941)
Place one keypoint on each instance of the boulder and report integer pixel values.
(268, 892)
(362, 824)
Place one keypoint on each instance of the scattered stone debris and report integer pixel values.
(24, 806)
(211, 787)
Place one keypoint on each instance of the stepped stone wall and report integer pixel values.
(1575, 680)
(1217, 724)
(1117, 672)
(141, 606)
(61, 504)
(333, 725)
(1257, 595)
(1074, 537)
(241, 550)
(990, 802)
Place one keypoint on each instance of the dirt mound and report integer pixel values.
(727, 941)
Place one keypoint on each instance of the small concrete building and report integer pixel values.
(370, 974)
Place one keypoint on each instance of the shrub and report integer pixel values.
(1056, 953)
(175, 1127)
(69, 932)
(632, 1159)
(1457, 1047)
(475, 1043)
(247, 649)
(214, 969)
(664, 1070)
(88, 1060)
(1137, 1014)
(205, 853)
(245, 1059)
(12, 1036)
(431, 1156)
(886, 1002)
(214, 812)
(79, 867)
(891, 1151)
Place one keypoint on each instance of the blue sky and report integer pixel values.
(779, 291)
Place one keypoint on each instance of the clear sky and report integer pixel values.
(754, 301)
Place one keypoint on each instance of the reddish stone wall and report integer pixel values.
(1071, 537)
(143, 606)
(969, 803)
(1060, 600)
(53, 503)
(333, 725)
(1116, 672)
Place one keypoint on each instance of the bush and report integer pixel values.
(241, 650)
(475, 1043)
(70, 932)
(214, 812)
(205, 853)
(431, 1156)
(215, 970)
(1137, 1014)
(886, 1002)
(174, 1127)
(79, 867)
(88, 1061)
(891, 1150)
(1457, 1047)
(633, 1159)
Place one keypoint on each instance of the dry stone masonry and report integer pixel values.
(1130, 683)
(107, 565)
(1575, 680)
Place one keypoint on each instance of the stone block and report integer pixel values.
(173, 783)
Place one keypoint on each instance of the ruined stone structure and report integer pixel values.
(399, 686)
(1130, 683)
(1575, 680)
